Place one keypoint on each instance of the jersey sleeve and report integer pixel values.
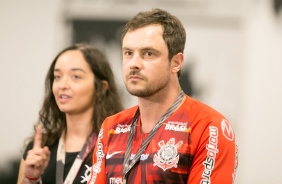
(215, 153)
(98, 173)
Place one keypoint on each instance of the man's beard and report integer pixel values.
(147, 91)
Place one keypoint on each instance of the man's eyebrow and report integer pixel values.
(148, 48)
(144, 48)
(151, 49)
(126, 48)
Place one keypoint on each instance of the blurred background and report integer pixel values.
(233, 62)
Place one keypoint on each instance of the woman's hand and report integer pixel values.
(37, 158)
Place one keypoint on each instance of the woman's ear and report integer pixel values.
(105, 85)
(176, 62)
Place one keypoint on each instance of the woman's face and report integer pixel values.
(73, 85)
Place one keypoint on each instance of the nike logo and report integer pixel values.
(112, 154)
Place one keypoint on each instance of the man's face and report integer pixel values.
(146, 67)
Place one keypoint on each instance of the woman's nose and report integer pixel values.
(64, 83)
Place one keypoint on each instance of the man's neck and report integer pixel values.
(153, 108)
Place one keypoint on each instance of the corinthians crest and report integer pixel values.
(167, 157)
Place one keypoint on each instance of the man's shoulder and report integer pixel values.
(122, 117)
(197, 107)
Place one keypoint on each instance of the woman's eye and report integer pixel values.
(56, 77)
(75, 77)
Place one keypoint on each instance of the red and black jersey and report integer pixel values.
(195, 144)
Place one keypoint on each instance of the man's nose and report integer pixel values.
(135, 62)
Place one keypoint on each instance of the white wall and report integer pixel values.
(28, 42)
(259, 134)
(236, 62)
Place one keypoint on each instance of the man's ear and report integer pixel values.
(176, 62)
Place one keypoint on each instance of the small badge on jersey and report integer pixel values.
(167, 157)
(227, 130)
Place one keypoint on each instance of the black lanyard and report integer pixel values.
(127, 165)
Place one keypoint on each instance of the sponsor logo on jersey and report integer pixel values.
(122, 129)
(177, 126)
(227, 130)
(167, 157)
(96, 168)
(109, 155)
(212, 150)
(142, 157)
(115, 180)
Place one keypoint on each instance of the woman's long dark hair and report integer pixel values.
(105, 102)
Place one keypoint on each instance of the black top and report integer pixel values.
(49, 175)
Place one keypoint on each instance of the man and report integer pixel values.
(168, 137)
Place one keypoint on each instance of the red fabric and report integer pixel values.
(196, 144)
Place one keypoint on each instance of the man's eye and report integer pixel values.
(148, 54)
(127, 53)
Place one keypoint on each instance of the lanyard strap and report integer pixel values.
(127, 165)
(61, 154)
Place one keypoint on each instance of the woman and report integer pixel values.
(79, 93)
